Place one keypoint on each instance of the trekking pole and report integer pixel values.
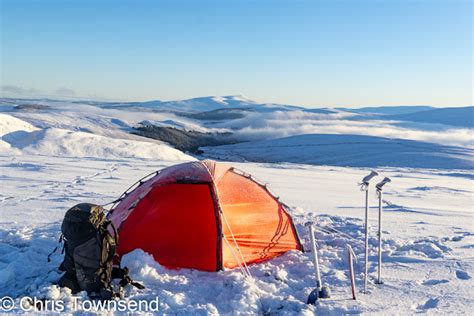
(352, 257)
(320, 291)
(365, 187)
(379, 193)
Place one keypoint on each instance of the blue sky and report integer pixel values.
(312, 53)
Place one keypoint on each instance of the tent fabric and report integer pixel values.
(203, 215)
(258, 222)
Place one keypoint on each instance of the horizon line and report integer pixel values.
(47, 97)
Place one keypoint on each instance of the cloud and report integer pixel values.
(64, 92)
(23, 92)
(18, 91)
(258, 126)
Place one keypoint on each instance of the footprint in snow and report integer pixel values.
(459, 237)
(434, 282)
(463, 275)
(430, 303)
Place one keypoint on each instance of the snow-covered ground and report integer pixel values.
(51, 160)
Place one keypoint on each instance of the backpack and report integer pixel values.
(89, 251)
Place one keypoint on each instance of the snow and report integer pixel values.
(18, 134)
(51, 160)
(10, 124)
(209, 103)
(59, 142)
(428, 239)
(111, 122)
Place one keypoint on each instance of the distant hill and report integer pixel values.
(211, 106)
(201, 104)
(461, 116)
(454, 116)
(389, 110)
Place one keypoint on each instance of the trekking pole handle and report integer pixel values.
(382, 183)
(369, 177)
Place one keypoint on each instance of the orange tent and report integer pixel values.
(203, 215)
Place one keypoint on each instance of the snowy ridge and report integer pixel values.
(24, 138)
(9, 124)
(211, 103)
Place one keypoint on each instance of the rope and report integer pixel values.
(235, 258)
(243, 268)
(124, 194)
(327, 230)
(236, 244)
(247, 271)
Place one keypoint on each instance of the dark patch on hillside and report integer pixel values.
(320, 111)
(187, 141)
(217, 115)
(31, 107)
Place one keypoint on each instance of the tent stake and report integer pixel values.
(351, 256)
